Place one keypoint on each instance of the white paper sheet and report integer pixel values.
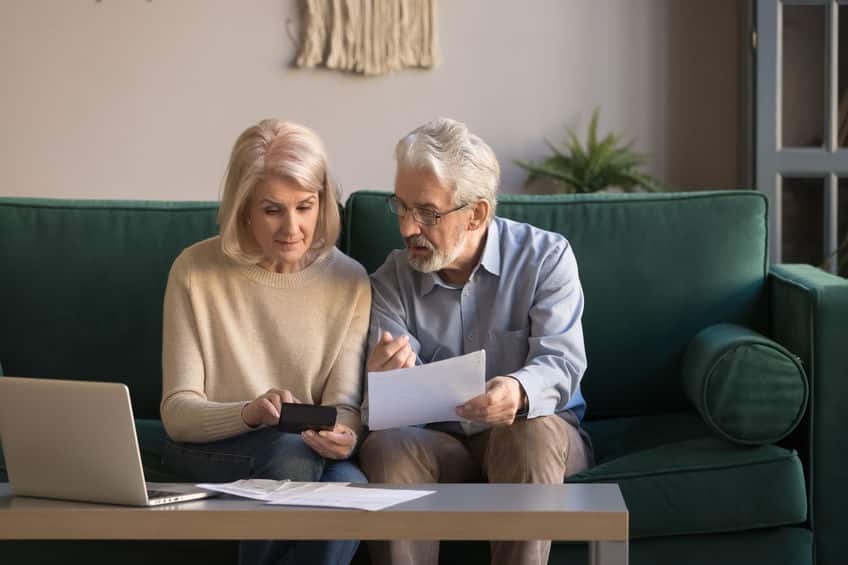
(338, 495)
(425, 393)
(333, 495)
(263, 489)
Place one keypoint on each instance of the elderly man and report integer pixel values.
(469, 280)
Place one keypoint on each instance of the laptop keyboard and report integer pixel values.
(160, 493)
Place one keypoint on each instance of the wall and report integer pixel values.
(143, 99)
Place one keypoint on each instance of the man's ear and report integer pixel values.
(479, 215)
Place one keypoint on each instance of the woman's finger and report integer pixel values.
(329, 451)
(340, 439)
(275, 397)
(327, 447)
(270, 412)
(316, 446)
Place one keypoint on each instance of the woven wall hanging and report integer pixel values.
(371, 37)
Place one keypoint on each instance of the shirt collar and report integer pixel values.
(490, 260)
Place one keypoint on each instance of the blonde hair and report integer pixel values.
(458, 158)
(275, 149)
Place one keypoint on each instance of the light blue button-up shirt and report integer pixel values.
(523, 304)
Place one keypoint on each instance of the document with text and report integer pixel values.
(337, 495)
(425, 393)
(328, 495)
(261, 489)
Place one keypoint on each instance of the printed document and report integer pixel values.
(332, 495)
(337, 495)
(425, 393)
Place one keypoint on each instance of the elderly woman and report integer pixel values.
(267, 312)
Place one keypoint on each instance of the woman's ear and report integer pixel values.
(479, 214)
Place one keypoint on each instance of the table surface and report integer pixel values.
(572, 512)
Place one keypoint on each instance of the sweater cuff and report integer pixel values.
(223, 420)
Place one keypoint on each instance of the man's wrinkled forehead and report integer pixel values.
(421, 188)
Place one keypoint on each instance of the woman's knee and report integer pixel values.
(343, 472)
(288, 457)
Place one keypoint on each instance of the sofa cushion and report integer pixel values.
(655, 270)
(748, 388)
(706, 485)
(83, 284)
(151, 442)
(615, 437)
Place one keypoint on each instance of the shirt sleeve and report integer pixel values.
(556, 358)
(187, 414)
(388, 309)
(388, 313)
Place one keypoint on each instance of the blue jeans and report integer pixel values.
(267, 454)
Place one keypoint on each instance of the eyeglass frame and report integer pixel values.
(394, 204)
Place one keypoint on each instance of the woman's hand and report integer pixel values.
(337, 443)
(265, 409)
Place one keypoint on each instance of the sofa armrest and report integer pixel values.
(809, 316)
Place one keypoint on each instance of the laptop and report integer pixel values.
(75, 440)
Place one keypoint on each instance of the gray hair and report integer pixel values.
(458, 158)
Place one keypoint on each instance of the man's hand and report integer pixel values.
(390, 353)
(497, 406)
(265, 409)
(337, 443)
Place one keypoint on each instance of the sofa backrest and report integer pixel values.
(655, 270)
(82, 282)
(82, 286)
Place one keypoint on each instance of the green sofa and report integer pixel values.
(717, 387)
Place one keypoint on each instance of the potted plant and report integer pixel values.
(840, 256)
(604, 164)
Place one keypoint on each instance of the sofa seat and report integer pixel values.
(772, 546)
(705, 485)
(151, 442)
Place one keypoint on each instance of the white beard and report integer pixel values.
(436, 261)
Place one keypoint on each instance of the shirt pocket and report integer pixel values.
(506, 351)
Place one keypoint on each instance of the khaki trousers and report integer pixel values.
(541, 450)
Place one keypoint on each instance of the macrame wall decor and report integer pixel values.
(371, 37)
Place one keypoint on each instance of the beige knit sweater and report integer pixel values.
(231, 332)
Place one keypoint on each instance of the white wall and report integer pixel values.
(143, 99)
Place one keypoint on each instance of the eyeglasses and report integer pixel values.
(423, 216)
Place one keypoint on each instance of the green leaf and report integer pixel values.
(600, 163)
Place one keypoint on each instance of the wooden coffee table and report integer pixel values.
(594, 513)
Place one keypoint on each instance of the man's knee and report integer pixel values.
(414, 455)
(528, 451)
(393, 456)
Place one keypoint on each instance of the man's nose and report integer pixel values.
(408, 225)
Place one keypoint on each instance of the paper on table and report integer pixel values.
(263, 489)
(338, 495)
(334, 495)
(426, 393)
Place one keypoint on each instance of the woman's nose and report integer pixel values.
(288, 224)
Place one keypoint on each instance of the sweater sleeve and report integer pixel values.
(344, 385)
(187, 414)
